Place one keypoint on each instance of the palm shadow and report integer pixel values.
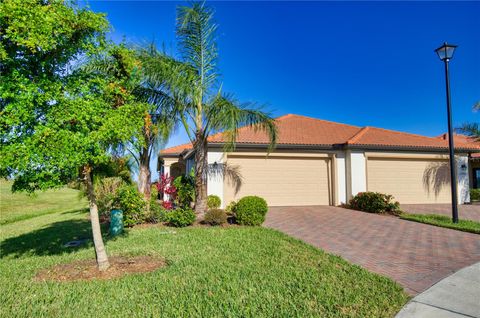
(50, 240)
(436, 177)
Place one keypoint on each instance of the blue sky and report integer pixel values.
(360, 63)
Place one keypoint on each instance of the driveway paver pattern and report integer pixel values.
(413, 254)
(465, 211)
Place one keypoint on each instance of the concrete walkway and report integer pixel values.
(413, 254)
(458, 295)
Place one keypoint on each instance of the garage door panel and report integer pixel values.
(281, 180)
(410, 180)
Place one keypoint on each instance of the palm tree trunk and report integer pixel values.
(201, 166)
(100, 252)
(145, 175)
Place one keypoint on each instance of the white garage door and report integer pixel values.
(281, 181)
(410, 180)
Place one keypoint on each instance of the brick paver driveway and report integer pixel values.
(415, 255)
(467, 212)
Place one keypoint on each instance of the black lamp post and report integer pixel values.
(445, 53)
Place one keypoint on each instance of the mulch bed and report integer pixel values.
(87, 269)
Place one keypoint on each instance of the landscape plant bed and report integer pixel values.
(87, 269)
(443, 221)
(234, 271)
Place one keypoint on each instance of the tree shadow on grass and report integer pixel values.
(50, 240)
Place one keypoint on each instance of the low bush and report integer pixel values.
(375, 202)
(231, 208)
(251, 210)
(181, 217)
(215, 217)
(153, 193)
(185, 190)
(131, 202)
(475, 194)
(106, 193)
(213, 201)
(158, 213)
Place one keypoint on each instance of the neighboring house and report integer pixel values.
(318, 162)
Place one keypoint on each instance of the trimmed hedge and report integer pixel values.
(215, 217)
(181, 217)
(374, 202)
(251, 210)
(213, 201)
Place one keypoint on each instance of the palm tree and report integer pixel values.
(132, 64)
(202, 106)
(472, 129)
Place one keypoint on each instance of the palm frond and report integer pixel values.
(225, 114)
(470, 129)
(476, 106)
(196, 35)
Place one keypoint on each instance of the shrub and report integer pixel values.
(181, 217)
(106, 192)
(158, 213)
(251, 210)
(231, 207)
(132, 204)
(165, 186)
(185, 194)
(475, 194)
(153, 193)
(168, 205)
(374, 202)
(215, 217)
(213, 201)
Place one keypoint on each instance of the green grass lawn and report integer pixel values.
(212, 272)
(21, 206)
(443, 221)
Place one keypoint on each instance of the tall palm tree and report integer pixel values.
(202, 106)
(472, 129)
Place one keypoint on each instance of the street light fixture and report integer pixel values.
(445, 53)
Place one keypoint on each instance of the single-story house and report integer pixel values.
(319, 162)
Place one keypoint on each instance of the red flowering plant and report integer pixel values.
(165, 186)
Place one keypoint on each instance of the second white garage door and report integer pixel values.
(410, 180)
(282, 181)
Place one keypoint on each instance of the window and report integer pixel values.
(476, 178)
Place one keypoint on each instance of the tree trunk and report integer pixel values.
(201, 167)
(144, 176)
(100, 252)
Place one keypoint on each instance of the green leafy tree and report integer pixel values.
(58, 122)
(194, 86)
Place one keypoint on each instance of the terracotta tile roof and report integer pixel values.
(176, 149)
(371, 136)
(459, 138)
(301, 130)
(297, 130)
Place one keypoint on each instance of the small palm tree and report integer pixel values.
(131, 65)
(201, 105)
